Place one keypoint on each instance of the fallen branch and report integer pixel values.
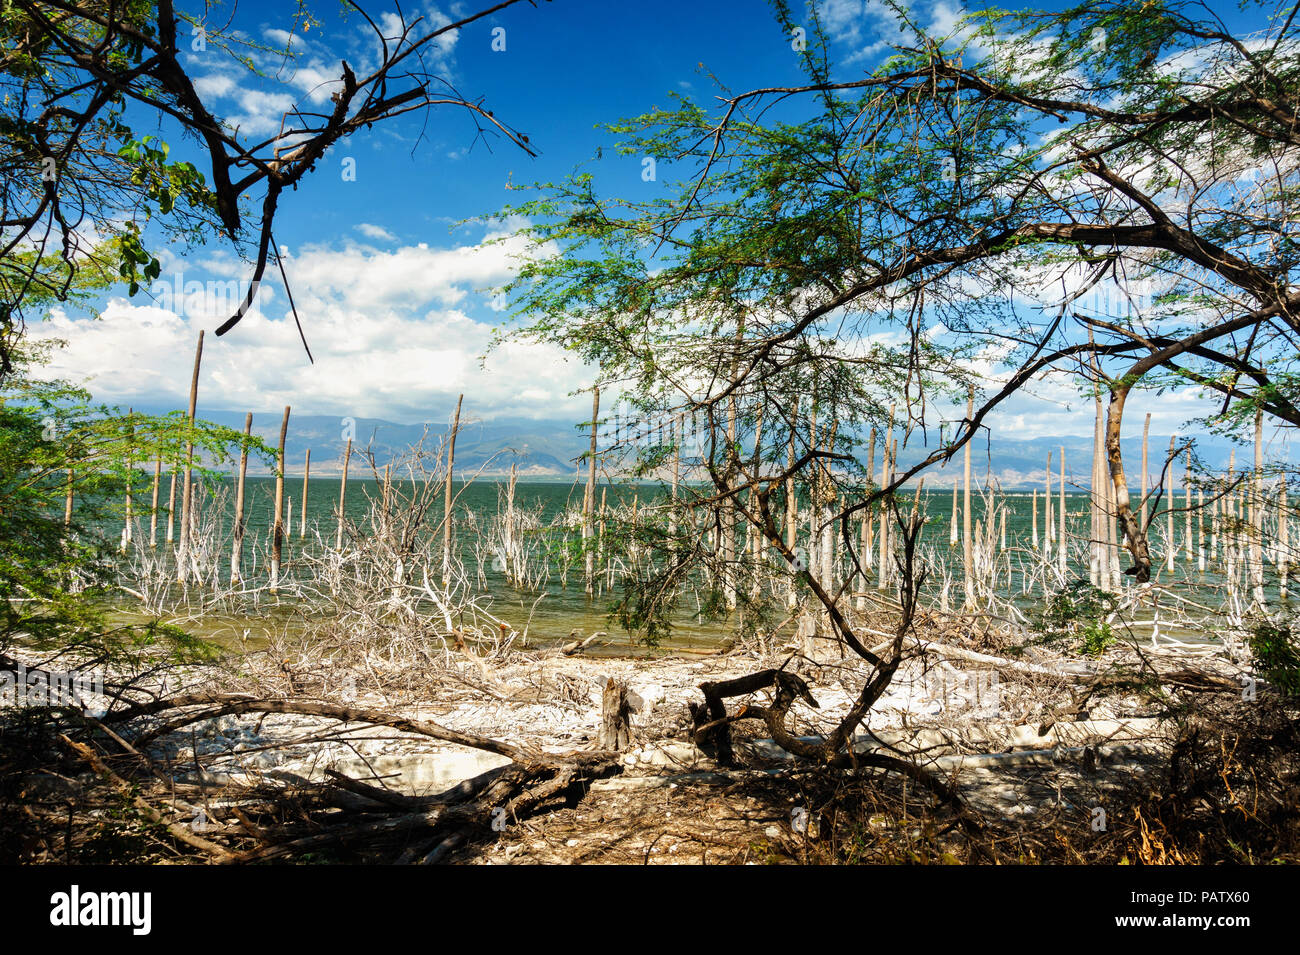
(226, 704)
(577, 646)
(180, 832)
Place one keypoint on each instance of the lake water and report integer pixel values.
(566, 608)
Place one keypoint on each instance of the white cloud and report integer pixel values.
(214, 85)
(945, 18)
(378, 232)
(316, 80)
(416, 276)
(259, 112)
(863, 25)
(392, 334)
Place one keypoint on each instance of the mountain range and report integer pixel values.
(548, 450)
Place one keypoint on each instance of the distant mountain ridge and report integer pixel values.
(539, 449)
(550, 450)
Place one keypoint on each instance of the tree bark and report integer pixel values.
(447, 500)
(302, 519)
(966, 541)
(237, 548)
(1134, 531)
(277, 528)
(153, 505)
(589, 500)
(187, 487)
(615, 722)
(343, 494)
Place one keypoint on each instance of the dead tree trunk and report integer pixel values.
(171, 503)
(343, 495)
(186, 489)
(277, 532)
(1049, 530)
(1062, 552)
(615, 717)
(237, 548)
(447, 500)
(153, 504)
(967, 551)
(589, 501)
(302, 519)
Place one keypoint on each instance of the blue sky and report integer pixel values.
(389, 289)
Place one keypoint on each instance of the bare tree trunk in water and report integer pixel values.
(589, 501)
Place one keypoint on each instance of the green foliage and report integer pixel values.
(56, 578)
(163, 186)
(1275, 646)
(851, 245)
(1097, 636)
(72, 167)
(644, 606)
(1076, 614)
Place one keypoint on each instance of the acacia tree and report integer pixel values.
(57, 560)
(78, 186)
(867, 244)
(959, 211)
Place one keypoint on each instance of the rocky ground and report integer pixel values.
(1032, 744)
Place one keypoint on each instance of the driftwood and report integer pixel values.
(225, 704)
(577, 646)
(713, 722)
(426, 829)
(178, 831)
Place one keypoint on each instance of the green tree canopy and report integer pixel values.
(957, 213)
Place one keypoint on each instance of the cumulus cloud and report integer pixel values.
(259, 113)
(214, 85)
(377, 232)
(395, 334)
(864, 26)
(412, 276)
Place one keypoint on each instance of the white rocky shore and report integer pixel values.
(962, 716)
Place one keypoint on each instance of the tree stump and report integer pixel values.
(615, 723)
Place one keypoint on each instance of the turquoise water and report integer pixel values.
(565, 608)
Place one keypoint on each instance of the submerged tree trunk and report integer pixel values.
(1062, 554)
(153, 503)
(277, 530)
(237, 547)
(589, 501)
(302, 519)
(967, 549)
(1049, 529)
(186, 489)
(343, 494)
(448, 497)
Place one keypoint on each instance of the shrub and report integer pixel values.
(1276, 652)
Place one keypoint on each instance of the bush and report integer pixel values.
(57, 573)
(1276, 652)
(1076, 614)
